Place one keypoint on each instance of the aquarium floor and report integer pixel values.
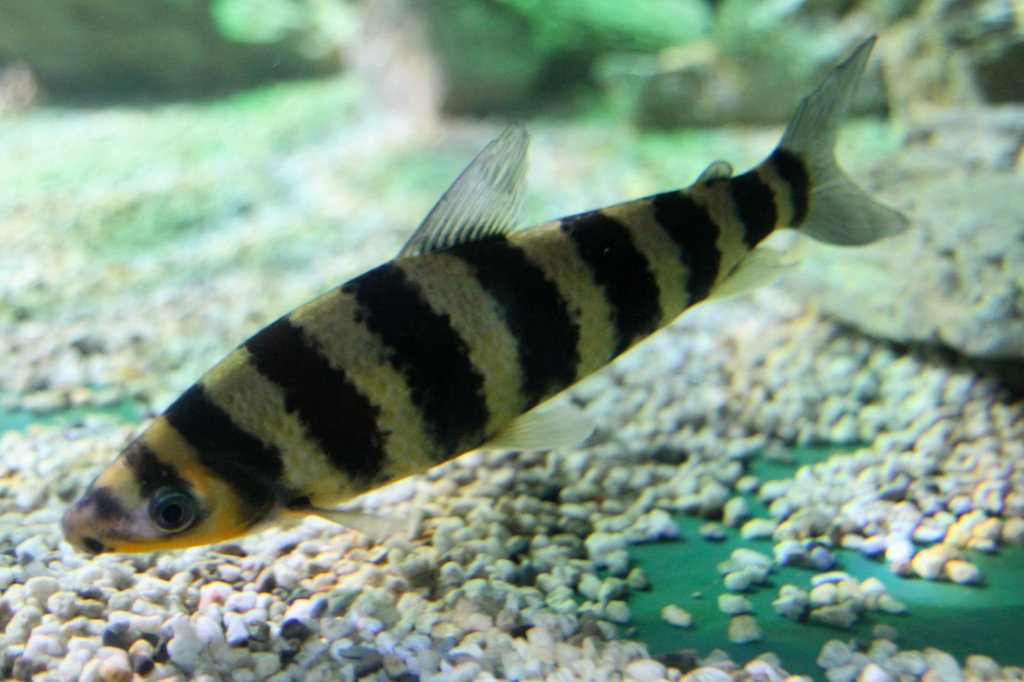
(960, 619)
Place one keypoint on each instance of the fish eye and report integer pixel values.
(173, 509)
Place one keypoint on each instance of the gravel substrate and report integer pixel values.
(520, 565)
(501, 581)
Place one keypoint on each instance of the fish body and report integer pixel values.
(445, 348)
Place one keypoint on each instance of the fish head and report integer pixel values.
(156, 495)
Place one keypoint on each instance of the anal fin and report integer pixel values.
(759, 268)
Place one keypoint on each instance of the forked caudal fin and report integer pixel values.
(838, 211)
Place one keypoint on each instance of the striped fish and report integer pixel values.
(451, 345)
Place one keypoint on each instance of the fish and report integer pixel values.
(462, 340)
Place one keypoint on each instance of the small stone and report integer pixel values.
(265, 664)
(824, 594)
(116, 669)
(890, 604)
(645, 670)
(744, 629)
(885, 631)
(638, 580)
(834, 654)
(962, 572)
(791, 603)
(676, 616)
(1013, 531)
(707, 673)
(618, 562)
(294, 628)
(140, 657)
(929, 562)
(842, 616)
(941, 666)
(758, 529)
(41, 587)
(738, 581)
(979, 667)
(734, 604)
(617, 611)
(712, 531)
(735, 512)
(873, 672)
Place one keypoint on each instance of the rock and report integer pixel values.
(979, 667)
(735, 512)
(929, 563)
(677, 616)
(791, 603)
(744, 629)
(738, 581)
(842, 616)
(734, 604)
(115, 668)
(890, 604)
(834, 654)
(758, 529)
(941, 666)
(41, 587)
(873, 672)
(646, 670)
(962, 572)
(712, 531)
(617, 611)
(519, 55)
(79, 61)
(951, 283)
(1013, 531)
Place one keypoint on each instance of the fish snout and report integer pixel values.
(78, 530)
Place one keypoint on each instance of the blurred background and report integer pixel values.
(175, 173)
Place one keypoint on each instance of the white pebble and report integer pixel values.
(873, 672)
(758, 529)
(646, 670)
(842, 616)
(677, 616)
(41, 587)
(707, 674)
(962, 572)
(744, 629)
(734, 604)
(617, 611)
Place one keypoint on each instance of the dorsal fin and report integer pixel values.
(719, 170)
(484, 200)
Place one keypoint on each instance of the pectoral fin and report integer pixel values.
(545, 428)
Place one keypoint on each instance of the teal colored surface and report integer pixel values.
(19, 420)
(962, 620)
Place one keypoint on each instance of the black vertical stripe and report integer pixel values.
(691, 227)
(791, 169)
(422, 345)
(244, 461)
(755, 205)
(622, 271)
(150, 473)
(336, 416)
(532, 309)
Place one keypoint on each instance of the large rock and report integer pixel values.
(957, 52)
(956, 278)
(478, 57)
(162, 48)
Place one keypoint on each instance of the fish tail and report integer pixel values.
(826, 204)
